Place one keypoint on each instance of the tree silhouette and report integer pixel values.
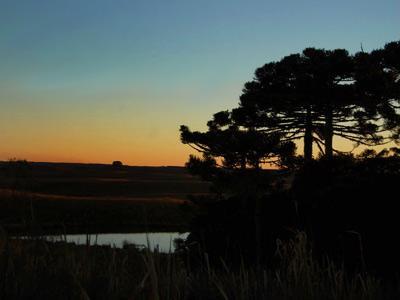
(314, 95)
(232, 160)
(321, 93)
(377, 79)
(230, 146)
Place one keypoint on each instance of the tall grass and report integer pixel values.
(36, 269)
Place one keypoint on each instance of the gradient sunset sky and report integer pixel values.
(104, 80)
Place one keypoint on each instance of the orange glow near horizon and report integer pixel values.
(76, 150)
(94, 143)
(98, 149)
(97, 126)
(47, 126)
(37, 128)
(134, 160)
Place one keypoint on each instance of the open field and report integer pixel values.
(100, 180)
(88, 198)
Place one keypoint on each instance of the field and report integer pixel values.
(95, 198)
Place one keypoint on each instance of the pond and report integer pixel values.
(164, 241)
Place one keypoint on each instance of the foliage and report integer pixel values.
(233, 156)
(35, 269)
(320, 93)
(348, 206)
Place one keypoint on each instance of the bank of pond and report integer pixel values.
(160, 241)
(68, 268)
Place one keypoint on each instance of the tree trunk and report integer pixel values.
(308, 137)
(328, 132)
(258, 232)
(257, 195)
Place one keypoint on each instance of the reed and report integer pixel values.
(37, 269)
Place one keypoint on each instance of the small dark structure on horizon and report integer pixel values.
(117, 163)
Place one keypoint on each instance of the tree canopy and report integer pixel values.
(319, 93)
(314, 95)
(236, 147)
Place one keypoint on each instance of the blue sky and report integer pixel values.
(125, 74)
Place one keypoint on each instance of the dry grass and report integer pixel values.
(39, 270)
(89, 198)
(7, 194)
(22, 211)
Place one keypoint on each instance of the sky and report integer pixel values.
(98, 81)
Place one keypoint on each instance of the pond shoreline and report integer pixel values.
(163, 241)
(57, 229)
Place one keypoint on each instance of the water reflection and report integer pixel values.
(164, 241)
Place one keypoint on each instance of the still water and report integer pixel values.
(164, 241)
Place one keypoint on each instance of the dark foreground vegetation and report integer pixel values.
(347, 206)
(40, 270)
(322, 248)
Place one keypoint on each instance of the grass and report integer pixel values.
(100, 180)
(41, 270)
(23, 211)
(85, 198)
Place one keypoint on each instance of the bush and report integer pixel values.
(117, 163)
